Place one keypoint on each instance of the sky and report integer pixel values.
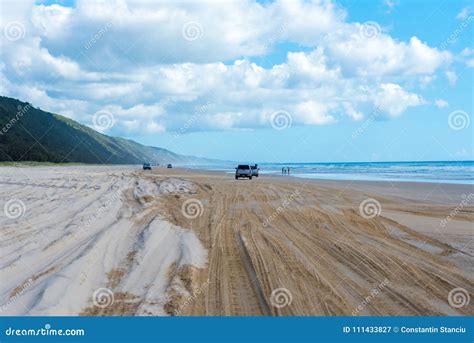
(257, 81)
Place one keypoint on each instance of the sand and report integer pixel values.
(107, 240)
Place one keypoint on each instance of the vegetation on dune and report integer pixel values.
(30, 134)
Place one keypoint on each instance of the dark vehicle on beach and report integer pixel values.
(255, 170)
(243, 170)
(146, 166)
(169, 166)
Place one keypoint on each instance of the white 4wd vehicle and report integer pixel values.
(243, 170)
(255, 170)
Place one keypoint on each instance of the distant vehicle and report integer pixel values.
(146, 166)
(255, 170)
(243, 170)
(169, 166)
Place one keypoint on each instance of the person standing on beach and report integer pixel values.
(288, 170)
(282, 171)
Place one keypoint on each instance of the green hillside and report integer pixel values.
(30, 134)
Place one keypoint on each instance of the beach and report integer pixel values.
(117, 240)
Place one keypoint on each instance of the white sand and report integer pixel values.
(78, 228)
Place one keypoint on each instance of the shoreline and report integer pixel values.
(456, 190)
(349, 177)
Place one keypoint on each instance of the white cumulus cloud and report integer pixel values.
(189, 66)
(440, 103)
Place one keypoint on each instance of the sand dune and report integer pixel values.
(120, 241)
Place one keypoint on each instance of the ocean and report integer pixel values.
(457, 172)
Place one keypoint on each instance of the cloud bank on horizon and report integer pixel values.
(165, 66)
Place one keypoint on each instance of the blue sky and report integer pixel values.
(285, 81)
